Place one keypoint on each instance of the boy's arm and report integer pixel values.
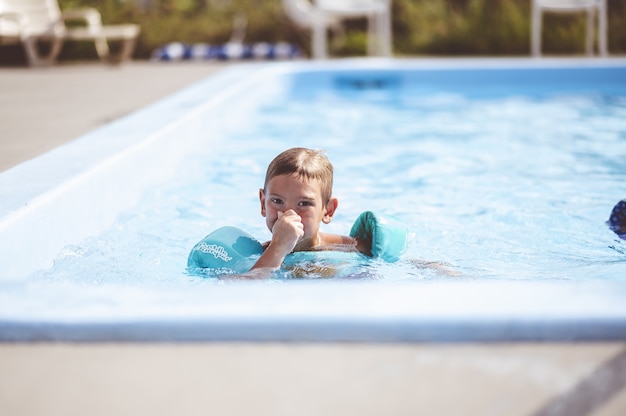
(271, 258)
(364, 246)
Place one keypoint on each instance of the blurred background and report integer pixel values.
(420, 27)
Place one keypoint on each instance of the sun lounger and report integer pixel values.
(319, 15)
(31, 22)
(568, 6)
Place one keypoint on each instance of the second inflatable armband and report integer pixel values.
(387, 234)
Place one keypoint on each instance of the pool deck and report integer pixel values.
(45, 108)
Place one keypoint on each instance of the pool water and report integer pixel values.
(494, 181)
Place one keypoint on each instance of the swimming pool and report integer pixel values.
(489, 162)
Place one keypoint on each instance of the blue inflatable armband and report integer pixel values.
(387, 234)
(227, 248)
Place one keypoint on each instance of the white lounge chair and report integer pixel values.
(591, 7)
(322, 14)
(31, 21)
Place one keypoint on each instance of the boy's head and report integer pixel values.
(305, 164)
(299, 180)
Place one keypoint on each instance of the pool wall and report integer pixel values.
(78, 189)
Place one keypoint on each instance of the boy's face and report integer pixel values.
(289, 192)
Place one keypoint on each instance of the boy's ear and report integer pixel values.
(262, 199)
(331, 207)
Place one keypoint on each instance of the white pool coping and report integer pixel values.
(78, 189)
(314, 311)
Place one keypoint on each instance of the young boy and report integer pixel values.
(295, 200)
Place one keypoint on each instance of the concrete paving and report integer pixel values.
(44, 108)
(312, 379)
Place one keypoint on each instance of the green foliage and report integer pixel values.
(420, 27)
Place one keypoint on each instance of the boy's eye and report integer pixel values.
(276, 201)
(306, 203)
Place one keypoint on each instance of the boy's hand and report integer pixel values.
(287, 231)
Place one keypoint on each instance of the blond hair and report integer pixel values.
(305, 163)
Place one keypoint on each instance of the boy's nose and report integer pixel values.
(293, 207)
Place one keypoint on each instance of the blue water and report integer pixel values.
(503, 181)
